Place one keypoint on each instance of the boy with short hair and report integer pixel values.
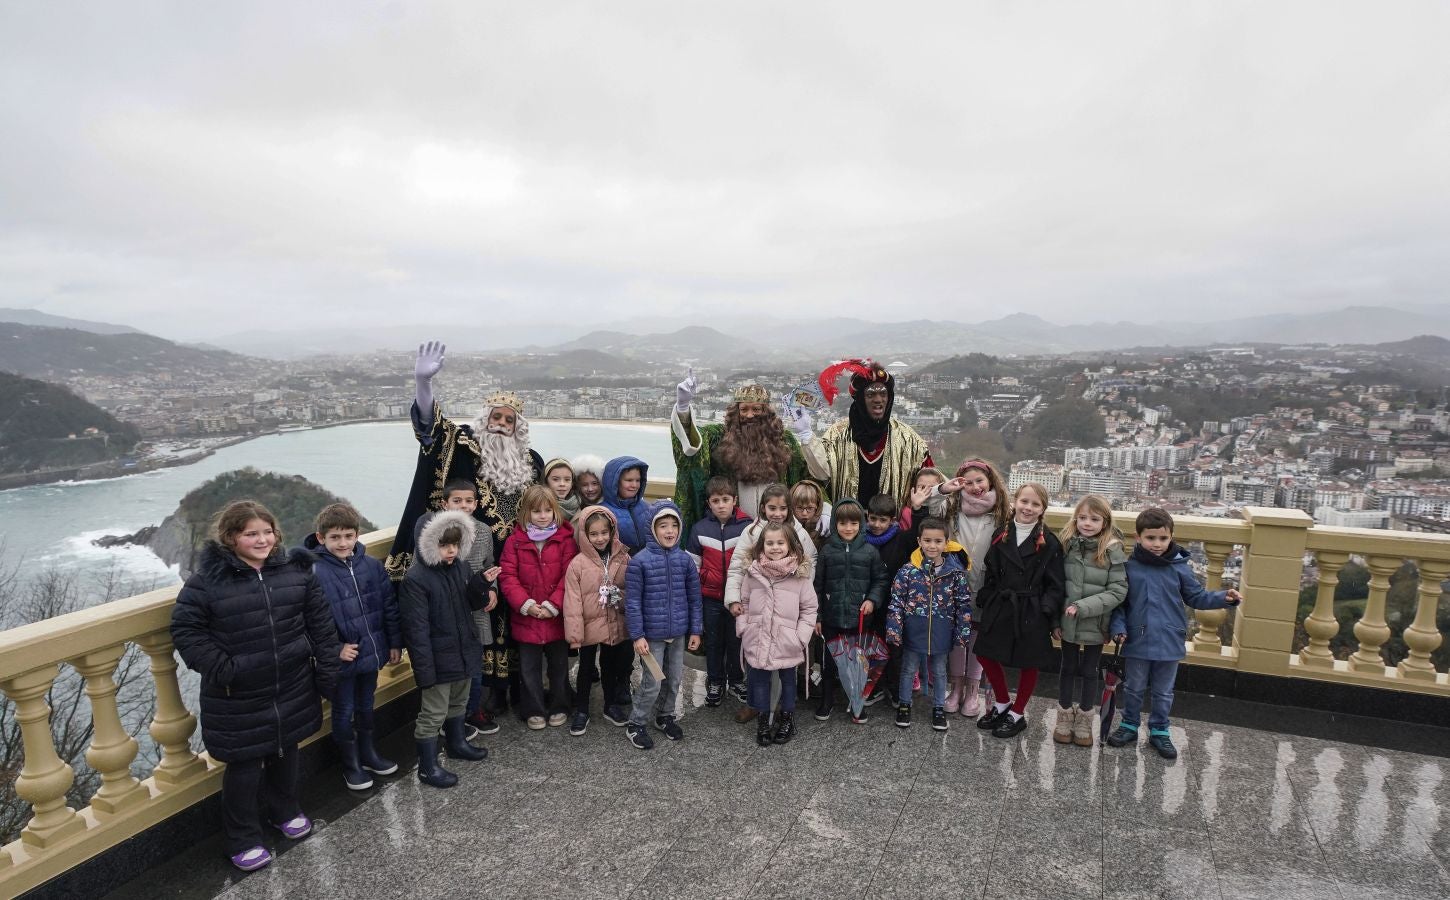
(930, 613)
(1151, 624)
(442, 642)
(661, 607)
(712, 543)
(851, 583)
(365, 610)
(895, 545)
(461, 495)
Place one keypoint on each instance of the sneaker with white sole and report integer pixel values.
(253, 859)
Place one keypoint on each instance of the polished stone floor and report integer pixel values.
(868, 811)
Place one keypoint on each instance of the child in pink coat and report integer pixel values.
(775, 622)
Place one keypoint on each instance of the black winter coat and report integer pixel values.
(364, 606)
(846, 574)
(438, 629)
(1021, 599)
(255, 636)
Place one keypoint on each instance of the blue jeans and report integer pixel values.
(352, 707)
(1161, 672)
(653, 697)
(913, 662)
(758, 686)
(722, 644)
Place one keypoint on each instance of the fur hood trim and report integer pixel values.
(217, 562)
(591, 463)
(428, 538)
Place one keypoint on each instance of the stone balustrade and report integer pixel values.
(1275, 544)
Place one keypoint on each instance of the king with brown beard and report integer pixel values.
(753, 448)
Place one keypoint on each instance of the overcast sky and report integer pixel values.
(195, 169)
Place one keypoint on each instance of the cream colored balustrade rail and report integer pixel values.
(1275, 543)
(92, 642)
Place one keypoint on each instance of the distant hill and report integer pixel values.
(699, 343)
(1426, 346)
(46, 320)
(294, 500)
(44, 426)
(58, 353)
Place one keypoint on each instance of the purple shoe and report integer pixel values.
(252, 860)
(296, 828)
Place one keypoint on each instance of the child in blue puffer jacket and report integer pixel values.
(365, 610)
(1154, 626)
(662, 610)
(930, 615)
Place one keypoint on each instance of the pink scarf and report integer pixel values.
(979, 506)
(540, 534)
(775, 569)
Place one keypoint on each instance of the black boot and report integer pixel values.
(429, 772)
(367, 755)
(762, 731)
(786, 727)
(828, 701)
(352, 773)
(457, 746)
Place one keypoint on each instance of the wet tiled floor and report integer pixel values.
(868, 811)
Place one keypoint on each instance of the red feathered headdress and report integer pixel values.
(864, 369)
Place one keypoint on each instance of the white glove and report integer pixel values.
(685, 392)
(799, 422)
(823, 525)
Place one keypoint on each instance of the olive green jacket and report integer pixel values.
(1096, 591)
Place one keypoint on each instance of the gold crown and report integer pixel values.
(752, 393)
(506, 398)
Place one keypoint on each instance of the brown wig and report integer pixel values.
(753, 451)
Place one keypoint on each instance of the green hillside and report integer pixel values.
(45, 426)
(58, 353)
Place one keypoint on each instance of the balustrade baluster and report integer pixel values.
(1321, 624)
(173, 724)
(1371, 630)
(1423, 636)
(45, 777)
(112, 750)
(1206, 638)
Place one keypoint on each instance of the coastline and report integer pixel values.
(107, 471)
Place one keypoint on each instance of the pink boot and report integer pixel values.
(954, 696)
(971, 700)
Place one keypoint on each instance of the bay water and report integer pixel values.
(370, 464)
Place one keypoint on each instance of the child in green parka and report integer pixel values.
(1097, 583)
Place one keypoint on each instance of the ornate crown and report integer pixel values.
(752, 393)
(506, 398)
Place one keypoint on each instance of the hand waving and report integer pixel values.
(685, 391)
(430, 360)
(799, 422)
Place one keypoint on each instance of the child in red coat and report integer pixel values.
(535, 558)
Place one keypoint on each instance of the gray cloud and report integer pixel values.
(195, 169)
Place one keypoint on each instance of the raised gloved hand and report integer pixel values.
(428, 364)
(798, 421)
(823, 524)
(685, 391)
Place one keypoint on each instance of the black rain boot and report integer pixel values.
(786, 729)
(368, 756)
(429, 772)
(457, 746)
(352, 773)
(762, 731)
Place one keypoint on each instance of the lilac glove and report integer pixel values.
(685, 392)
(428, 364)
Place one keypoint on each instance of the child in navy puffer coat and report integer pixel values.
(662, 608)
(365, 611)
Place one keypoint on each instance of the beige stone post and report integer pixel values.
(45, 778)
(1206, 639)
(1321, 624)
(174, 723)
(112, 750)
(1273, 568)
(1371, 630)
(1423, 636)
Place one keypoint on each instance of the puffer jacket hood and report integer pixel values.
(431, 532)
(633, 514)
(258, 638)
(587, 621)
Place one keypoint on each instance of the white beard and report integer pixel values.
(503, 459)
